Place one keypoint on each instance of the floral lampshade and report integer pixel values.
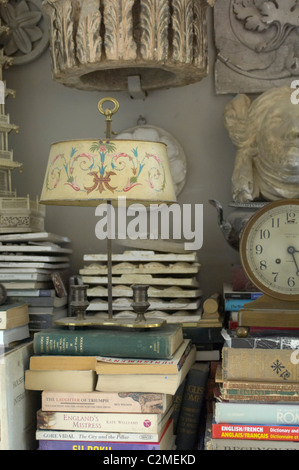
(86, 172)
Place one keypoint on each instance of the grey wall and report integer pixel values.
(47, 111)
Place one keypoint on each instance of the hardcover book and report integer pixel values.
(287, 389)
(122, 402)
(270, 365)
(97, 436)
(160, 343)
(63, 362)
(257, 413)
(116, 365)
(165, 442)
(60, 380)
(260, 432)
(13, 315)
(19, 406)
(230, 293)
(163, 383)
(107, 422)
(190, 411)
(249, 444)
(18, 333)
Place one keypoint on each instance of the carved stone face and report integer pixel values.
(278, 140)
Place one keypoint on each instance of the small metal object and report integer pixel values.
(242, 331)
(79, 305)
(79, 302)
(108, 113)
(140, 302)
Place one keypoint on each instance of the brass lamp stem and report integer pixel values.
(109, 260)
(108, 113)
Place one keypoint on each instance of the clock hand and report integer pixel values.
(291, 250)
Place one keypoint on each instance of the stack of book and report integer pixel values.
(235, 300)
(108, 388)
(207, 334)
(174, 292)
(257, 403)
(31, 269)
(14, 323)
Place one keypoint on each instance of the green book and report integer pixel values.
(153, 343)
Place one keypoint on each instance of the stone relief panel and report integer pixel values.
(257, 44)
(28, 30)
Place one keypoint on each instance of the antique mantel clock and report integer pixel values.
(269, 252)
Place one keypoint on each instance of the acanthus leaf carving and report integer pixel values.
(119, 41)
(154, 25)
(200, 36)
(89, 41)
(62, 42)
(182, 24)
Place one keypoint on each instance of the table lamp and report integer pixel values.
(94, 171)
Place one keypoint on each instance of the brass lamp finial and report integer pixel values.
(108, 113)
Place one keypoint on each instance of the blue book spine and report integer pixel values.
(233, 305)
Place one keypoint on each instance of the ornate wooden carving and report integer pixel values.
(182, 24)
(119, 41)
(88, 40)
(98, 44)
(62, 34)
(154, 18)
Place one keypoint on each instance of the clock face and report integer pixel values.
(269, 249)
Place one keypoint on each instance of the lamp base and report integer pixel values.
(136, 319)
(74, 322)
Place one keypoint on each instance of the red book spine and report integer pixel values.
(255, 432)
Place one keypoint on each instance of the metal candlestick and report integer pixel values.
(79, 302)
(140, 302)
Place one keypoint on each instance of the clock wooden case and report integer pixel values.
(269, 249)
(269, 252)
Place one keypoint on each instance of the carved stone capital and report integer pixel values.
(98, 44)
